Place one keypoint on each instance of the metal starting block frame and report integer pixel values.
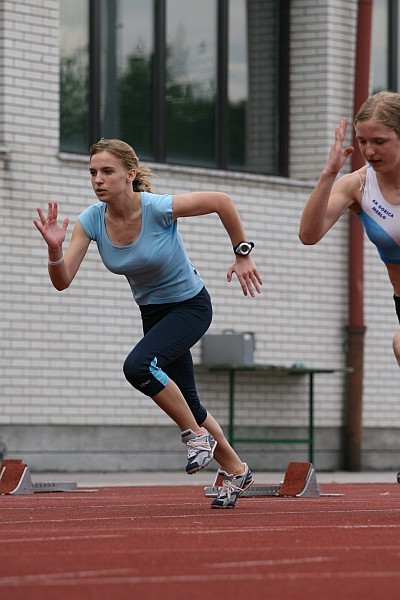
(15, 479)
(300, 482)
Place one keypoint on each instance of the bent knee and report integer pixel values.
(148, 379)
(130, 369)
(135, 374)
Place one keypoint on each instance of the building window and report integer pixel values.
(122, 51)
(74, 75)
(385, 63)
(380, 46)
(191, 82)
(184, 82)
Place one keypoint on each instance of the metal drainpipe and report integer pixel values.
(356, 328)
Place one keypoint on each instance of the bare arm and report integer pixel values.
(203, 203)
(63, 272)
(330, 198)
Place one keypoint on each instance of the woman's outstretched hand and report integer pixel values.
(247, 274)
(338, 155)
(52, 232)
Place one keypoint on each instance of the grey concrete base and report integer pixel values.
(137, 449)
(94, 448)
(381, 449)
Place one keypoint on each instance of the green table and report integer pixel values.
(272, 369)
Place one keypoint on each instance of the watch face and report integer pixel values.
(244, 248)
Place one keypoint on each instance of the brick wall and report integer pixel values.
(322, 77)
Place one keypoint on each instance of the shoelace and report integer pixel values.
(228, 488)
(194, 446)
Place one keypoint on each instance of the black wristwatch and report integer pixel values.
(243, 248)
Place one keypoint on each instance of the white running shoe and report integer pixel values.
(233, 486)
(200, 447)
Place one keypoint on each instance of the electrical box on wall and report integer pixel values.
(228, 348)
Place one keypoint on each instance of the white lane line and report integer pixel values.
(56, 578)
(61, 538)
(235, 514)
(111, 506)
(199, 515)
(271, 563)
(90, 519)
(282, 528)
(102, 578)
(189, 530)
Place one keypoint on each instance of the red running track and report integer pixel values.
(166, 543)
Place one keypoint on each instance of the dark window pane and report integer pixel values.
(379, 45)
(253, 85)
(126, 73)
(238, 88)
(191, 63)
(74, 75)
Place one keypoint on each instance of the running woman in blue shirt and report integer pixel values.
(137, 236)
(372, 192)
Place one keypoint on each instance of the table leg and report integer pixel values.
(231, 429)
(311, 419)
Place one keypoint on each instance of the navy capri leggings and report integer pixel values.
(170, 330)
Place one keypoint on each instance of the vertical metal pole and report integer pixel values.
(356, 327)
(159, 81)
(94, 71)
(222, 108)
(231, 430)
(311, 418)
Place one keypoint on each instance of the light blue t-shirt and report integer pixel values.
(156, 264)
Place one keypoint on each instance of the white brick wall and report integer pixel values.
(322, 76)
(62, 353)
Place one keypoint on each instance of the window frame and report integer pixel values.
(221, 138)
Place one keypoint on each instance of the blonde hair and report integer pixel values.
(127, 156)
(383, 107)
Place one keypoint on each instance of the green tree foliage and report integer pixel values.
(74, 102)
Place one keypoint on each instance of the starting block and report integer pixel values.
(15, 478)
(300, 482)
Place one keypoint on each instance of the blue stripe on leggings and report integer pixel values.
(158, 373)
